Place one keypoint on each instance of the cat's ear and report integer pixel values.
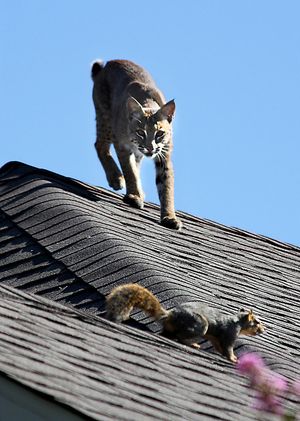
(167, 111)
(134, 108)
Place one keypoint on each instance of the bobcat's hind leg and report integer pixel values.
(103, 143)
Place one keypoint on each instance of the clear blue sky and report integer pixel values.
(233, 68)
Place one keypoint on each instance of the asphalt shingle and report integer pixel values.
(70, 244)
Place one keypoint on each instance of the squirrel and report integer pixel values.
(187, 323)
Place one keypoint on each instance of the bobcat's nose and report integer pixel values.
(150, 149)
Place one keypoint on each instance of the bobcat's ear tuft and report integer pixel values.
(134, 108)
(167, 111)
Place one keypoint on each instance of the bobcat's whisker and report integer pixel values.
(161, 159)
(162, 153)
(134, 116)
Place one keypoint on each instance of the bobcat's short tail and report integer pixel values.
(97, 66)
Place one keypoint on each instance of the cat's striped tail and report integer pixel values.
(97, 66)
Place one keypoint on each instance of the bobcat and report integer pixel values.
(132, 114)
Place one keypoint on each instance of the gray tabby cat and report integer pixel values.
(132, 114)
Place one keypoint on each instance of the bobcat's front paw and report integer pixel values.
(172, 223)
(117, 182)
(134, 201)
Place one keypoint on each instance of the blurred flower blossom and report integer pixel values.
(270, 387)
(268, 403)
(250, 364)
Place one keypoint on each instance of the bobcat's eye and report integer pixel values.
(159, 135)
(141, 133)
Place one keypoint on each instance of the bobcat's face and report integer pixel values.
(150, 137)
(150, 130)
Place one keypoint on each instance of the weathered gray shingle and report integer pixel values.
(72, 243)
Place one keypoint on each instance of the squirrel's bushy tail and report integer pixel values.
(97, 66)
(124, 298)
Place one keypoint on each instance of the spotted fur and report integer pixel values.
(132, 114)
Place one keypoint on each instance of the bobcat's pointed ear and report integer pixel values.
(167, 111)
(134, 108)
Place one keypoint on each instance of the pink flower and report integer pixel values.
(250, 364)
(270, 392)
(268, 403)
(275, 383)
(270, 387)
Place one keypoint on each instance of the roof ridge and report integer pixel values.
(92, 191)
(96, 193)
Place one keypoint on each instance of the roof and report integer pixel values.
(64, 245)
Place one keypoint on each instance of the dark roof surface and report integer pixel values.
(72, 243)
(106, 371)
